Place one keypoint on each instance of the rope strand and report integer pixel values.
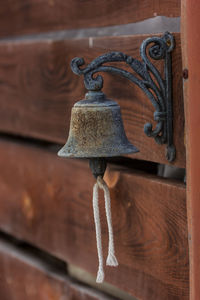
(111, 259)
(100, 274)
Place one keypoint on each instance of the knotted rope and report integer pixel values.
(111, 259)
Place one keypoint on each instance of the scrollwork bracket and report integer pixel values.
(157, 88)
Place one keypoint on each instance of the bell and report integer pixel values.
(97, 132)
(96, 129)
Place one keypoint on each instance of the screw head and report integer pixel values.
(168, 42)
(185, 73)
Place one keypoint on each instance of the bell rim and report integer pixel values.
(100, 153)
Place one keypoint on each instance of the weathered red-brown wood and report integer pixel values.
(30, 16)
(47, 201)
(191, 50)
(24, 276)
(38, 90)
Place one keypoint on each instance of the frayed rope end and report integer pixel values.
(111, 260)
(100, 276)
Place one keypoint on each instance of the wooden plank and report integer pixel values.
(38, 90)
(29, 16)
(47, 201)
(190, 50)
(24, 276)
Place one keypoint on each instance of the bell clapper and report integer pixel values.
(98, 167)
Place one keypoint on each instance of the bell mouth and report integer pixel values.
(71, 151)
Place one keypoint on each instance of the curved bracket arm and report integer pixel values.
(145, 75)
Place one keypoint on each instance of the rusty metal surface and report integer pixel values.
(96, 129)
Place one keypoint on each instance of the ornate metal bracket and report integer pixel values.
(149, 79)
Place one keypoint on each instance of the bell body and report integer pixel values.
(96, 129)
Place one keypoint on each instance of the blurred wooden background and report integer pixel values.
(46, 221)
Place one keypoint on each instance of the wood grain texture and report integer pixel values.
(25, 277)
(38, 90)
(190, 50)
(47, 201)
(30, 16)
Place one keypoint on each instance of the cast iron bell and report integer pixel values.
(96, 132)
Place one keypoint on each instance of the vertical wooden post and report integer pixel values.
(190, 31)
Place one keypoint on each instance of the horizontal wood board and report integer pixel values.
(38, 90)
(30, 16)
(24, 277)
(47, 201)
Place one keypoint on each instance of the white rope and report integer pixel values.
(111, 259)
(100, 274)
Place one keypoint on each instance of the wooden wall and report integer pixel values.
(45, 201)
